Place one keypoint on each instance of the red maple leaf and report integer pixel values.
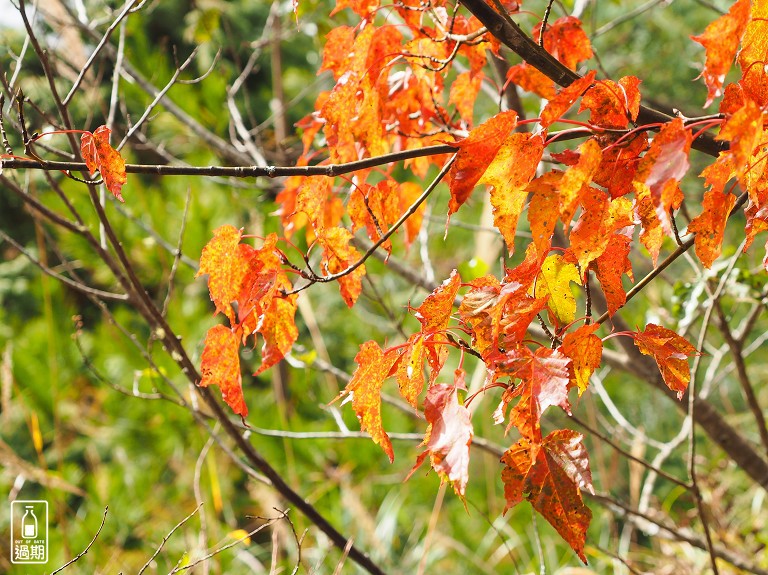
(551, 475)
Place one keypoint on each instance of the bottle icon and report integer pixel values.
(29, 523)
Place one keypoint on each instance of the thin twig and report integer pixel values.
(82, 288)
(104, 39)
(84, 551)
(268, 521)
(166, 538)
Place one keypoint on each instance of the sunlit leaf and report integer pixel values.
(373, 367)
(555, 279)
(585, 350)
(448, 437)
(721, 41)
(475, 154)
(220, 366)
(508, 174)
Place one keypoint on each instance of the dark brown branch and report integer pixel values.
(512, 36)
(743, 376)
(329, 170)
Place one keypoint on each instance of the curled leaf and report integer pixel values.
(100, 156)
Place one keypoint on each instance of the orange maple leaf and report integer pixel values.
(373, 367)
(600, 218)
(338, 256)
(100, 156)
(475, 153)
(509, 173)
(375, 208)
(743, 129)
(612, 105)
(585, 350)
(560, 104)
(226, 262)
(220, 366)
(709, 226)
(410, 369)
(721, 40)
(278, 327)
(463, 94)
(610, 266)
(752, 56)
(434, 313)
(362, 8)
(531, 80)
(670, 351)
(551, 475)
(576, 177)
(408, 194)
(566, 40)
(544, 209)
(449, 435)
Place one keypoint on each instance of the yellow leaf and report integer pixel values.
(554, 279)
(239, 534)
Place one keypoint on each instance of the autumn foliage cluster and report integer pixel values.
(406, 80)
